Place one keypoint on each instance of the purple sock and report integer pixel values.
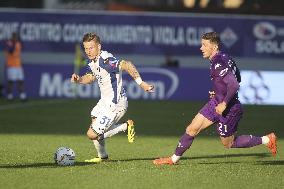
(246, 141)
(184, 143)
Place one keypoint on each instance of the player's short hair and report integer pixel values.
(91, 36)
(213, 37)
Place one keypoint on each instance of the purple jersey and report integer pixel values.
(225, 77)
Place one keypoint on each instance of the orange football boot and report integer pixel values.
(272, 144)
(164, 161)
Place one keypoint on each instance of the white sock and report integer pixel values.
(114, 129)
(100, 147)
(265, 140)
(175, 158)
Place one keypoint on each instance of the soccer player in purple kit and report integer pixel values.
(223, 109)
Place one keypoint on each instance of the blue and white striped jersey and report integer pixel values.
(109, 77)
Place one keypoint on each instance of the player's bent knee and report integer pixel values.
(227, 141)
(91, 134)
(227, 144)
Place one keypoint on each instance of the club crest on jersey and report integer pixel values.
(217, 66)
(111, 61)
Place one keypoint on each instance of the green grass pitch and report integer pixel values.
(31, 132)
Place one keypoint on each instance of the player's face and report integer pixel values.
(92, 49)
(208, 49)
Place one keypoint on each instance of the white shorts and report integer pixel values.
(15, 74)
(107, 114)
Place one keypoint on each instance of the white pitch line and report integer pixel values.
(29, 104)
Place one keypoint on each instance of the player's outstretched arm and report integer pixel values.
(132, 71)
(85, 79)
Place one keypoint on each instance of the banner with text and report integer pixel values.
(158, 34)
(261, 87)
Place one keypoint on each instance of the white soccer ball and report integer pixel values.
(64, 156)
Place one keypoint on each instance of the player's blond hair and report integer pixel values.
(91, 36)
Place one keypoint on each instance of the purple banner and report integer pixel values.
(158, 34)
(257, 87)
(175, 84)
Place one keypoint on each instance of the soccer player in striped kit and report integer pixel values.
(106, 69)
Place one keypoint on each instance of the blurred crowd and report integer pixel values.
(264, 7)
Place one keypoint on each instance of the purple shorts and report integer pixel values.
(227, 123)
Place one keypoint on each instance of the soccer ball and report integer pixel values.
(64, 156)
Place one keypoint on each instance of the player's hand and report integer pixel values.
(75, 78)
(220, 108)
(211, 94)
(147, 87)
